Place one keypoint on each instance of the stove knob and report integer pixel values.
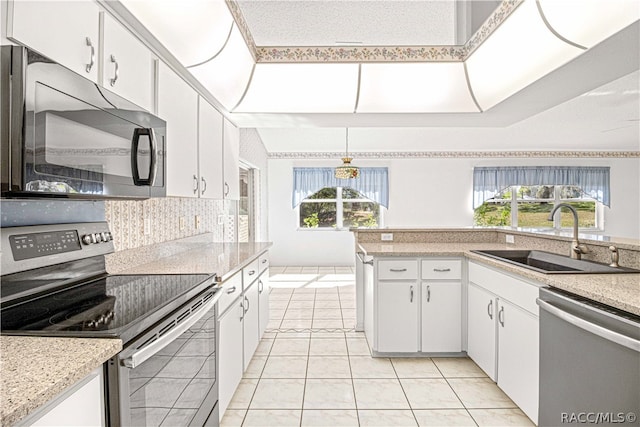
(105, 237)
(97, 237)
(87, 239)
(92, 324)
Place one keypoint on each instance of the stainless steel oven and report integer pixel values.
(63, 135)
(54, 283)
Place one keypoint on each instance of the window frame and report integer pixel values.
(557, 225)
(339, 202)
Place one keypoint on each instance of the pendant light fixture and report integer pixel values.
(347, 171)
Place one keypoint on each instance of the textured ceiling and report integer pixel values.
(369, 22)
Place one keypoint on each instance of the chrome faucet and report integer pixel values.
(577, 248)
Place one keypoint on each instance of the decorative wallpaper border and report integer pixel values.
(323, 54)
(456, 154)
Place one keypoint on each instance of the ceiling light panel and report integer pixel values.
(301, 88)
(226, 76)
(588, 22)
(415, 88)
(519, 52)
(192, 30)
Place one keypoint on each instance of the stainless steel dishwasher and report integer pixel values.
(589, 362)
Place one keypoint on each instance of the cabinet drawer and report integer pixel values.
(437, 269)
(517, 291)
(400, 269)
(264, 262)
(231, 289)
(250, 273)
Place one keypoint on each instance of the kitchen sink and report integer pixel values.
(549, 263)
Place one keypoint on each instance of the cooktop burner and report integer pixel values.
(108, 306)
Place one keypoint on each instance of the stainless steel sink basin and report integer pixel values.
(549, 263)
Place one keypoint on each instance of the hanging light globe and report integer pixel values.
(347, 170)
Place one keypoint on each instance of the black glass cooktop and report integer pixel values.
(117, 306)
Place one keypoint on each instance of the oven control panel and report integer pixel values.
(33, 245)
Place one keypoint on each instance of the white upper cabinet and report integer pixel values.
(65, 31)
(210, 123)
(127, 65)
(231, 149)
(178, 105)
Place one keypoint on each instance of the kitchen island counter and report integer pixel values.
(34, 370)
(621, 291)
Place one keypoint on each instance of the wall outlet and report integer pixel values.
(386, 237)
(147, 226)
(220, 219)
(510, 238)
(197, 222)
(181, 223)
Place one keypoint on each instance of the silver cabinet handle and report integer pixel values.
(242, 310)
(411, 294)
(231, 290)
(397, 270)
(264, 261)
(195, 184)
(441, 270)
(247, 307)
(490, 309)
(92, 61)
(226, 189)
(501, 316)
(204, 184)
(252, 272)
(428, 293)
(115, 72)
(260, 286)
(583, 324)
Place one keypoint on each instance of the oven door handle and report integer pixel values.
(598, 330)
(145, 353)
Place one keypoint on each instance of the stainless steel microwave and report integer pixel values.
(65, 136)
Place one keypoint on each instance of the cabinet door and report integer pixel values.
(230, 353)
(178, 105)
(80, 407)
(127, 65)
(441, 317)
(397, 317)
(263, 290)
(65, 31)
(209, 150)
(518, 347)
(251, 322)
(231, 148)
(481, 328)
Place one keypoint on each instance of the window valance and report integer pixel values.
(373, 183)
(490, 181)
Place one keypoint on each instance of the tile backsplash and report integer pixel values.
(168, 219)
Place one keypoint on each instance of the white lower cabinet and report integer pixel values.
(481, 329)
(397, 322)
(251, 322)
(263, 291)
(503, 336)
(441, 317)
(518, 348)
(230, 353)
(81, 405)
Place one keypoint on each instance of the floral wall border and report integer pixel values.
(456, 154)
(326, 54)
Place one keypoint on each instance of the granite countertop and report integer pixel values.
(33, 370)
(222, 259)
(617, 290)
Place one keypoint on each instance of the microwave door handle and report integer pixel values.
(137, 133)
(153, 146)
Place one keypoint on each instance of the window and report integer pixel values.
(338, 208)
(530, 206)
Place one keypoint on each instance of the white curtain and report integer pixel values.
(490, 181)
(373, 183)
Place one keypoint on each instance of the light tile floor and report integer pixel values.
(312, 369)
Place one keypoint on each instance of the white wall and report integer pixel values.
(414, 186)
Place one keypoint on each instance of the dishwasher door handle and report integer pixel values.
(583, 324)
